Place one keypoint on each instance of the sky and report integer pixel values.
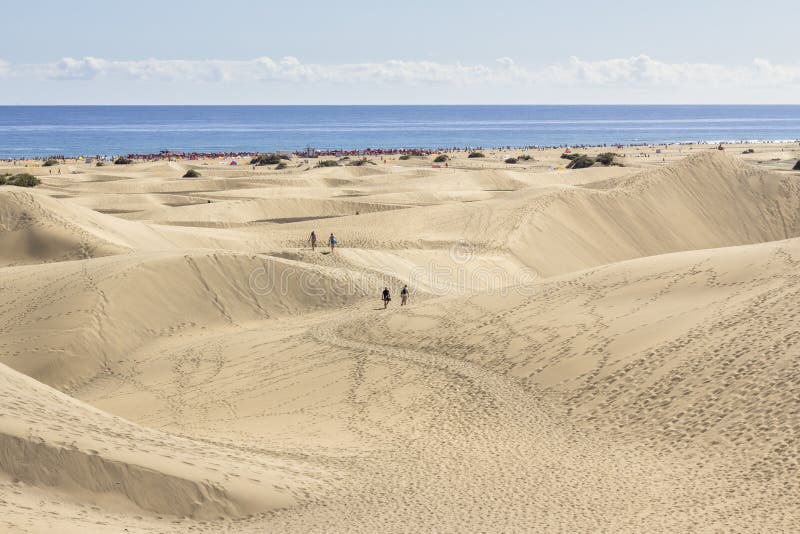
(409, 52)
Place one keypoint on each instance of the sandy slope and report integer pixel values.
(612, 349)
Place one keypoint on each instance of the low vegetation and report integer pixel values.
(50, 163)
(582, 161)
(510, 161)
(607, 158)
(524, 157)
(123, 161)
(361, 162)
(191, 173)
(265, 159)
(476, 155)
(20, 180)
(100, 164)
(328, 163)
(405, 157)
(441, 158)
(280, 166)
(749, 151)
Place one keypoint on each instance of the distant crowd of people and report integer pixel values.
(169, 154)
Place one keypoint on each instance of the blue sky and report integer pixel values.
(247, 52)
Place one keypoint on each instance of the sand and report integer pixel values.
(612, 349)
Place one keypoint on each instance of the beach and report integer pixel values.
(603, 349)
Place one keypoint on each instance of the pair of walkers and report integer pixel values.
(386, 296)
(313, 240)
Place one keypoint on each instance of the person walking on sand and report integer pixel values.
(332, 241)
(313, 239)
(404, 296)
(387, 297)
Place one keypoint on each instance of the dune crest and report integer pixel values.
(708, 200)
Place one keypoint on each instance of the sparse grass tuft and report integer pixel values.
(361, 162)
(328, 163)
(265, 159)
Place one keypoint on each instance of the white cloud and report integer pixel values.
(631, 72)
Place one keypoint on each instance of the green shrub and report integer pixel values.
(405, 157)
(606, 158)
(570, 157)
(361, 162)
(441, 158)
(581, 162)
(280, 166)
(328, 163)
(20, 180)
(476, 155)
(796, 166)
(123, 161)
(191, 173)
(510, 161)
(50, 163)
(524, 157)
(265, 159)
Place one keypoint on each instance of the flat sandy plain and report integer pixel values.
(613, 349)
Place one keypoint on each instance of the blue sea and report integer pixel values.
(108, 130)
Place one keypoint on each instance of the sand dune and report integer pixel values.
(70, 321)
(605, 350)
(242, 212)
(35, 228)
(51, 440)
(708, 200)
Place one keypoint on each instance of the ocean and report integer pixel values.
(35, 131)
